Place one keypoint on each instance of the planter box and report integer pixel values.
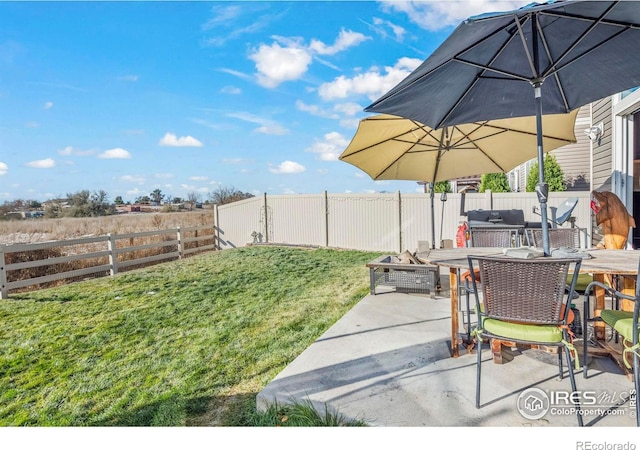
(407, 278)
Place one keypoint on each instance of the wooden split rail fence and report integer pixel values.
(45, 263)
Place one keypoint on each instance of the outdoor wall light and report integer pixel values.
(595, 132)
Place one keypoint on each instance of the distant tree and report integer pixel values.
(442, 186)
(34, 204)
(144, 200)
(553, 175)
(177, 200)
(87, 204)
(156, 196)
(224, 195)
(193, 198)
(118, 200)
(496, 182)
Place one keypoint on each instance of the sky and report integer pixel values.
(190, 97)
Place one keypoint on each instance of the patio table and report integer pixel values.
(602, 262)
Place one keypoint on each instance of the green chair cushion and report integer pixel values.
(621, 321)
(523, 332)
(582, 282)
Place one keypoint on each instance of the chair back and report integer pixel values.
(505, 237)
(558, 237)
(524, 290)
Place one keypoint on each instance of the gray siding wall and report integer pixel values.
(574, 159)
(602, 152)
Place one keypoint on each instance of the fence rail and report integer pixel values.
(385, 222)
(43, 263)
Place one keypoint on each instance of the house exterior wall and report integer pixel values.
(574, 159)
(603, 150)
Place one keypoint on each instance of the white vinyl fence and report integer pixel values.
(391, 222)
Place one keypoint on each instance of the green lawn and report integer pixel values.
(189, 342)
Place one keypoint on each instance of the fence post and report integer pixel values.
(180, 249)
(326, 219)
(216, 227)
(4, 292)
(113, 257)
(399, 222)
(266, 220)
(488, 195)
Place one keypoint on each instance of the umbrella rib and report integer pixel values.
(393, 92)
(479, 75)
(393, 138)
(552, 67)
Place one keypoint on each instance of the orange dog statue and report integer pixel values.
(614, 218)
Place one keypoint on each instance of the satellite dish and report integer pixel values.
(564, 211)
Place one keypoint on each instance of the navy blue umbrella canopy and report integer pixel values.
(540, 59)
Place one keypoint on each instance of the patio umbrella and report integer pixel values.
(540, 59)
(389, 147)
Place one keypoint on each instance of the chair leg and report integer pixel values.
(585, 336)
(560, 368)
(636, 381)
(573, 384)
(478, 371)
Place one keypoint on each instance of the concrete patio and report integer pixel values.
(387, 361)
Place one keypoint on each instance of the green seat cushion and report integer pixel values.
(523, 332)
(621, 321)
(582, 282)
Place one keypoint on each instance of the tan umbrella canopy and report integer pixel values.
(395, 148)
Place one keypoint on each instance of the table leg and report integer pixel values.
(455, 340)
(598, 306)
(628, 287)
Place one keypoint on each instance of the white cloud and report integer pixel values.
(287, 167)
(372, 83)
(398, 31)
(315, 110)
(288, 59)
(267, 126)
(345, 39)
(138, 179)
(171, 140)
(232, 90)
(276, 64)
(163, 175)
(331, 147)
(48, 105)
(47, 163)
(198, 178)
(349, 109)
(438, 15)
(69, 150)
(115, 153)
(3, 168)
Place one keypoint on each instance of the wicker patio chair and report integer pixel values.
(481, 237)
(523, 301)
(558, 237)
(625, 323)
(504, 237)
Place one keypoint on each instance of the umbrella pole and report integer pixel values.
(542, 188)
(433, 219)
